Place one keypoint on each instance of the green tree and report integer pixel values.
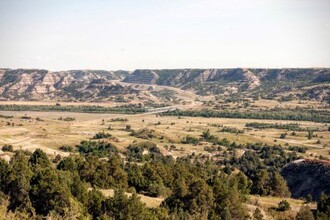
(39, 159)
(243, 184)
(323, 205)
(279, 186)
(121, 207)
(200, 198)
(5, 171)
(261, 183)
(135, 177)
(70, 163)
(228, 201)
(79, 189)
(95, 202)
(49, 192)
(310, 134)
(19, 185)
(283, 206)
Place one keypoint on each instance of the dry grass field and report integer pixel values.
(49, 133)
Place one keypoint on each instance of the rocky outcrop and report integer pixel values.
(228, 81)
(92, 85)
(31, 84)
(307, 177)
(240, 79)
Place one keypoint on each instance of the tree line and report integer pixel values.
(295, 115)
(34, 186)
(125, 109)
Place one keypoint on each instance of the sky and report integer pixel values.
(167, 34)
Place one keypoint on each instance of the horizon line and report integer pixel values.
(186, 68)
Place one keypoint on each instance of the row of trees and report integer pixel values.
(296, 115)
(127, 109)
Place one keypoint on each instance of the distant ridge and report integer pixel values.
(35, 84)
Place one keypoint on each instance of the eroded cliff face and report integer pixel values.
(307, 177)
(34, 84)
(93, 85)
(219, 81)
(181, 77)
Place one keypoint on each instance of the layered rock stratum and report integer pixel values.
(93, 85)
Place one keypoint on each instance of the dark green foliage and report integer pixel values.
(5, 171)
(143, 151)
(310, 134)
(193, 197)
(95, 203)
(66, 148)
(19, 185)
(49, 192)
(66, 119)
(298, 149)
(119, 119)
(278, 186)
(125, 109)
(153, 178)
(323, 206)
(190, 140)
(296, 115)
(8, 147)
(290, 126)
(265, 174)
(39, 159)
(103, 174)
(192, 188)
(282, 136)
(128, 127)
(44, 189)
(100, 149)
(101, 135)
(70, 164)
(122, 208)
(144, 133)
(283, 206)
(229, 198)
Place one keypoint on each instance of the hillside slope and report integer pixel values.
(99, 85)
(307, 177)
(34, 84)
(265, 82)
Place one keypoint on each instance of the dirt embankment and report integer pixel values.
(307, 177)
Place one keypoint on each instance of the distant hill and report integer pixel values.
(35, 84)
(98, 85)
(307, 177)
(231, 81)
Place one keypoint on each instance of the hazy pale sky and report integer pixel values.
(132, 34)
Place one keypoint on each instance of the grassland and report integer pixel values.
(45, 130)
